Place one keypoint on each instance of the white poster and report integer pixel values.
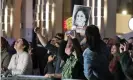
(80, 18)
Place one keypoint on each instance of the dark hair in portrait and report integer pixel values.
(85, 12)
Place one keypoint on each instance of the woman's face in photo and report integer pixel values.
(80, 19)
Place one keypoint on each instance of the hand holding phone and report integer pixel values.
(73, 34)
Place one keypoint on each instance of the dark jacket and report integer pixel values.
(127, 65)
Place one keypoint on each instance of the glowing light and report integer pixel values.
(39, 2)
(99, 14)
(93, 7)
(124, 12)
(53, 14)
(11, 18)
(88, 2)
(47, 16)
(38, 8)
(5, 18)
(131, 23)
(42, 13)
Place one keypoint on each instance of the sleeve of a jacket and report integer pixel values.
(88, 72)
(127, 65)
(124, 60)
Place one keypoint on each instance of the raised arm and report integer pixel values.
(42, 39)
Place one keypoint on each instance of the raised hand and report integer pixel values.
(73, 34)
(123, 47)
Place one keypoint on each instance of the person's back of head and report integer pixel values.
(60, 35)
(93, 37)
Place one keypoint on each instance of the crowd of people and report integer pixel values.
(70, 56)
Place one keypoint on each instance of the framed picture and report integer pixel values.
(80, 18)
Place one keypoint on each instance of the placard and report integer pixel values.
(80, 18)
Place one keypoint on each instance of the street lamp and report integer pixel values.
(124, 12)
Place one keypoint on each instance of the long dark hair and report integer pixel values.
(93, 38)
(26, 44)
(85, 11)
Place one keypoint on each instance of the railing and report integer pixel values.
(27, 77)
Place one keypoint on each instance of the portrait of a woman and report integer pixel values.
(80, 18)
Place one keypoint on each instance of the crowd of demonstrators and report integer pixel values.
(70, 56)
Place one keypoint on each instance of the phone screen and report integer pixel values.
(71, 32)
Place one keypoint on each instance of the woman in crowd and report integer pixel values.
(114, 66)
(73, 66)
(21, 63)
(95, 56)
(126, 60)
(5, 56)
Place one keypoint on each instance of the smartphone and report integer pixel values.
(71, 32)
(68, 32)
